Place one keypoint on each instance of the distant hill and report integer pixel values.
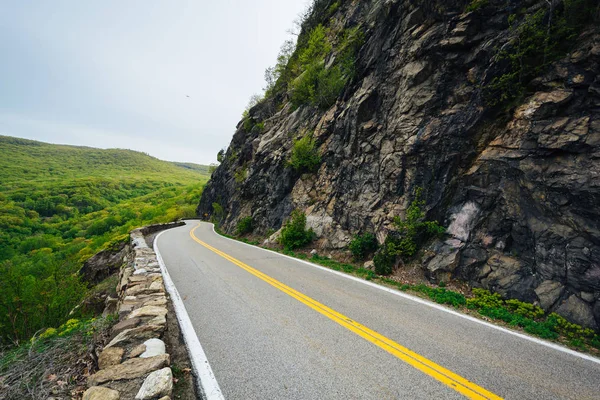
(26, 160)
(203, 169)
(59, 205)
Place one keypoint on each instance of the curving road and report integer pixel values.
(278, 328)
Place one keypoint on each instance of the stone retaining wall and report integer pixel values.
(135, 363)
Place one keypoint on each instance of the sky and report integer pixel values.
(169, 78)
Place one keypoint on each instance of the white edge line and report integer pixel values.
(205, 378)
(429, 304)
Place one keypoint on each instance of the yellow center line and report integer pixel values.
(447, 377)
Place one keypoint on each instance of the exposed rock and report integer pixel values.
(518, 188)
(137, 350)
(130, 369)
(110, 306)
(148, 311)
(548, 293)
(103, 264)
(370, 265)
(136, 334)
(100, 393)
(157, 384)
(579, 311)
(154, 347)
(110, 356)
(161, 301)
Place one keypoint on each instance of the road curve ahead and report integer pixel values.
(277, 328)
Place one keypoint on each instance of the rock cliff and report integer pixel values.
(512, 171)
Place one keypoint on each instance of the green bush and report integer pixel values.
(484, 299)
(410, 233)
(218, 213)
(363, 245)
(441, 295)
(245, 226)
(476, 5)
(294, 233)
(384, 262)
(314, 83)
(541, 38)
(241, 174)
(305, 156)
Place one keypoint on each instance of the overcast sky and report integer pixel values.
(116, 73)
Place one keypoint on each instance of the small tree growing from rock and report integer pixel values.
(294, 233)
(411, 232)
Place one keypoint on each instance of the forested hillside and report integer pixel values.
(61, 204)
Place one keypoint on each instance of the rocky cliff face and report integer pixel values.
(517, 186)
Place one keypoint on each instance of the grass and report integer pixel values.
(483, 304)
(53, 363)
(59, 205)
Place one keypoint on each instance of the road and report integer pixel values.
(277, 328)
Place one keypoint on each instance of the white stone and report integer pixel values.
(157, 384)
(463, 221)
(313, 251)
(130, 298)
(140, 271)
(154, 347)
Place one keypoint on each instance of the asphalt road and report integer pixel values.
(277, 328)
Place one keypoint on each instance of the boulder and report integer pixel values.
(148, 311)
(157, 384)
(577, 310)
(103, 264)
(130, 369)
(136, 334)
(100, 393)
(154, 347)
(110, 356)
(548, 293)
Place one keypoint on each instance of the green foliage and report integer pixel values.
(221, 155)
(410, 233)
(475, 5)
(531, 318)
(333, 7)
(315, 84)
(67, 204)
(294, 233)
(305, 156)
(278, 76)
(441, 295)
(248, 124)
(363, 245)
(245, 226)
(540, 38)
(218, 214)
(484, 299)
(317, 47)
(241, 174)
(526, 310)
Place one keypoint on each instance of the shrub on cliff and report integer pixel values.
(305, 156)
(410, 233)
(315, 83)
(363, 245)
(245, 225)
(539, 38)
(294, 233)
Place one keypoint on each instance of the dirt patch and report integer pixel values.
(56, 367)
(183, 378)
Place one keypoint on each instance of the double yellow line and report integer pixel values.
(449, 378)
